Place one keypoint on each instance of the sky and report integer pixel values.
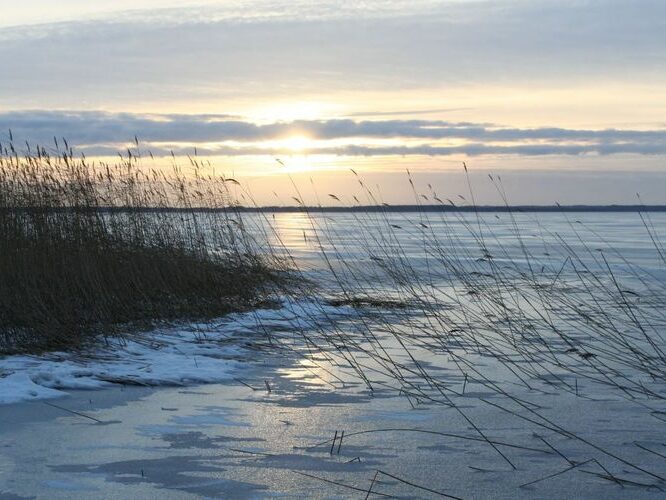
(564, 100)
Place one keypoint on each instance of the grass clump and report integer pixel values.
(362, 302)
(90, 249)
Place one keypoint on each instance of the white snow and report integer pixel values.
(19, 386)
(191, 354)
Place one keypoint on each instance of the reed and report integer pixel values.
(521, 314)
(90, 249)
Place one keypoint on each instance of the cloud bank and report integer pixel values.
(99, 133)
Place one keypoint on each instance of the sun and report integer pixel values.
(296, 143)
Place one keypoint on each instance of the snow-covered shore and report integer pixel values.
(174, 356)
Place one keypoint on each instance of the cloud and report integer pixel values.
(96, 132)
(411, 112)
(43, 14)
(286, 50)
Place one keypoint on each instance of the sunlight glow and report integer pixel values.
(291, 145)
(296, 143)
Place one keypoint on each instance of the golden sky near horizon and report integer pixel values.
(567, 98)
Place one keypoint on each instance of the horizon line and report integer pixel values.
(374, 208)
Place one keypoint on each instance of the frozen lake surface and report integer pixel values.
(378, 405)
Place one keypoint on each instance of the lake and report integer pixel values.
(438, 354)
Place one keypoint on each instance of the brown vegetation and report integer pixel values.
(90, 248)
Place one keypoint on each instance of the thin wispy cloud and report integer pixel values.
(411, 112)
(288, 49)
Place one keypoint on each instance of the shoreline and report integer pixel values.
(181, 355)
(382, 208)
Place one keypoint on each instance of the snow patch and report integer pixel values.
(195, 354)
(19, 386)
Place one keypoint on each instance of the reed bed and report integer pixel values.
(90, 249)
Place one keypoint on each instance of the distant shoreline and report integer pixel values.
(466, 208)
(380, 208)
